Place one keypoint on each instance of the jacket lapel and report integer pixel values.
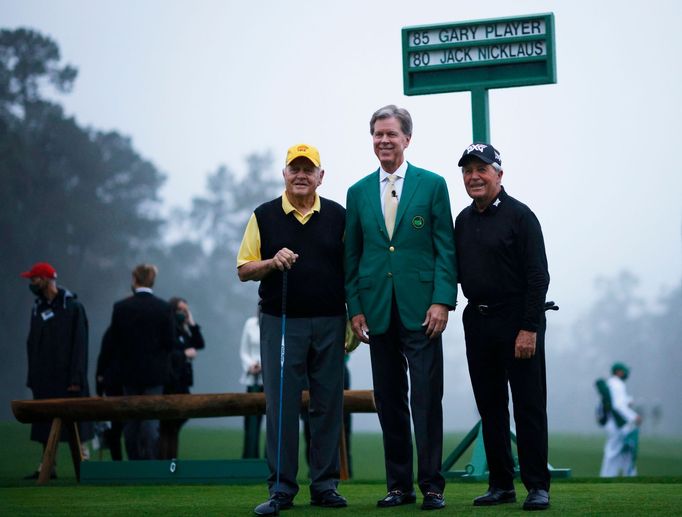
(372, 198)
(412, 179)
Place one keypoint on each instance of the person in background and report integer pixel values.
(143, 335)
(188, 340)
(57, 347)
(252, 378)
(108, 383)
(622, 433)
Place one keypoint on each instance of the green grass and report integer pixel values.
(567, 499)
(582, 495)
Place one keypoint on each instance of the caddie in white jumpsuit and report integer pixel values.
(621, 444)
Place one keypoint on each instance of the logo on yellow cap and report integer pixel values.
(305, 151)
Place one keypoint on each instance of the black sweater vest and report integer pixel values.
(315, 282)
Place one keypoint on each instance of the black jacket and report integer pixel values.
(108, 375)
(57, 347)
(142, 333)
(182, 374)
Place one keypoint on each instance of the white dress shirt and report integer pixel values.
(383, 182)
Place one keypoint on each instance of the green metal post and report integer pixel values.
(480, 115)
(461, 448)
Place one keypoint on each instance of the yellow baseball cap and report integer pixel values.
(305, 150)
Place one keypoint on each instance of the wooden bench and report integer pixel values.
(67, 412)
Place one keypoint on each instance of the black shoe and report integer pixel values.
(329, 499)
(495, 496)
(36, 474)
(433, 501)
(278, 501)
(537, 499)
(396, 498)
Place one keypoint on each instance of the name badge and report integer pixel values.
(46, 315)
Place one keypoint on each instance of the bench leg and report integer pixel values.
(50, 453)
(343, 455)
(75, 446)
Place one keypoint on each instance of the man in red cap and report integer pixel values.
(57, 347)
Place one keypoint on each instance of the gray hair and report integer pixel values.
(389, 111)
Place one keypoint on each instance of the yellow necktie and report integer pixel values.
(390, 204)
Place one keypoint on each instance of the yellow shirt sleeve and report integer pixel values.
(249, 250)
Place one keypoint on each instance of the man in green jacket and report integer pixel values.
(400, 286)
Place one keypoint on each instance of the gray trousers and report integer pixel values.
(313, 357)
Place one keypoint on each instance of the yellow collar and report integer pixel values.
(288, 207)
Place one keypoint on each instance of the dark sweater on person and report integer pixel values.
(315, 285)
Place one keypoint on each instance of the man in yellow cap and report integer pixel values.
(300, 234)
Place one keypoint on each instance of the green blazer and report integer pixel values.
(418, 263)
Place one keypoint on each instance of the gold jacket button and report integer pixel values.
(390, 275)
(391, 249)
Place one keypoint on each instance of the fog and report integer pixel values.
(199, 84)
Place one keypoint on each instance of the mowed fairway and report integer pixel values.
(657, 492)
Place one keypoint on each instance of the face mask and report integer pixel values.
(180, 317)
(35, 289)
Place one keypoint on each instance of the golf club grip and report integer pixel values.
(551, 306)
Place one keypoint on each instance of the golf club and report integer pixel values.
(271, 507)
(281, 386)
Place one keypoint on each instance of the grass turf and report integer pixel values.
(642, 498)
(580, 495)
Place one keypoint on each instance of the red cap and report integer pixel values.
(41, 269)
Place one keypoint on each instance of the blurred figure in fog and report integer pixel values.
(622, 428)
(57, 348)
(143, 335)
(108, 383)
(188, 340)
(249, 352)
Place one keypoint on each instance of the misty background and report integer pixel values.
(148, 131)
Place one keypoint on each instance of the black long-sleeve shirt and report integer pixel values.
(501, 257)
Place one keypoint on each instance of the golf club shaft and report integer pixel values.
(281, 376)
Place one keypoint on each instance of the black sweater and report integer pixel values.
(315, 282)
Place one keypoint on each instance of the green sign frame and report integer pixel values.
(491, 53)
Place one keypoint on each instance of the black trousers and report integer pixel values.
(393, 354)
(252, 425)
(141, 437)
(490, 343)
(113, 438)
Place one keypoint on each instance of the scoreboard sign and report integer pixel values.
(496, 53)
